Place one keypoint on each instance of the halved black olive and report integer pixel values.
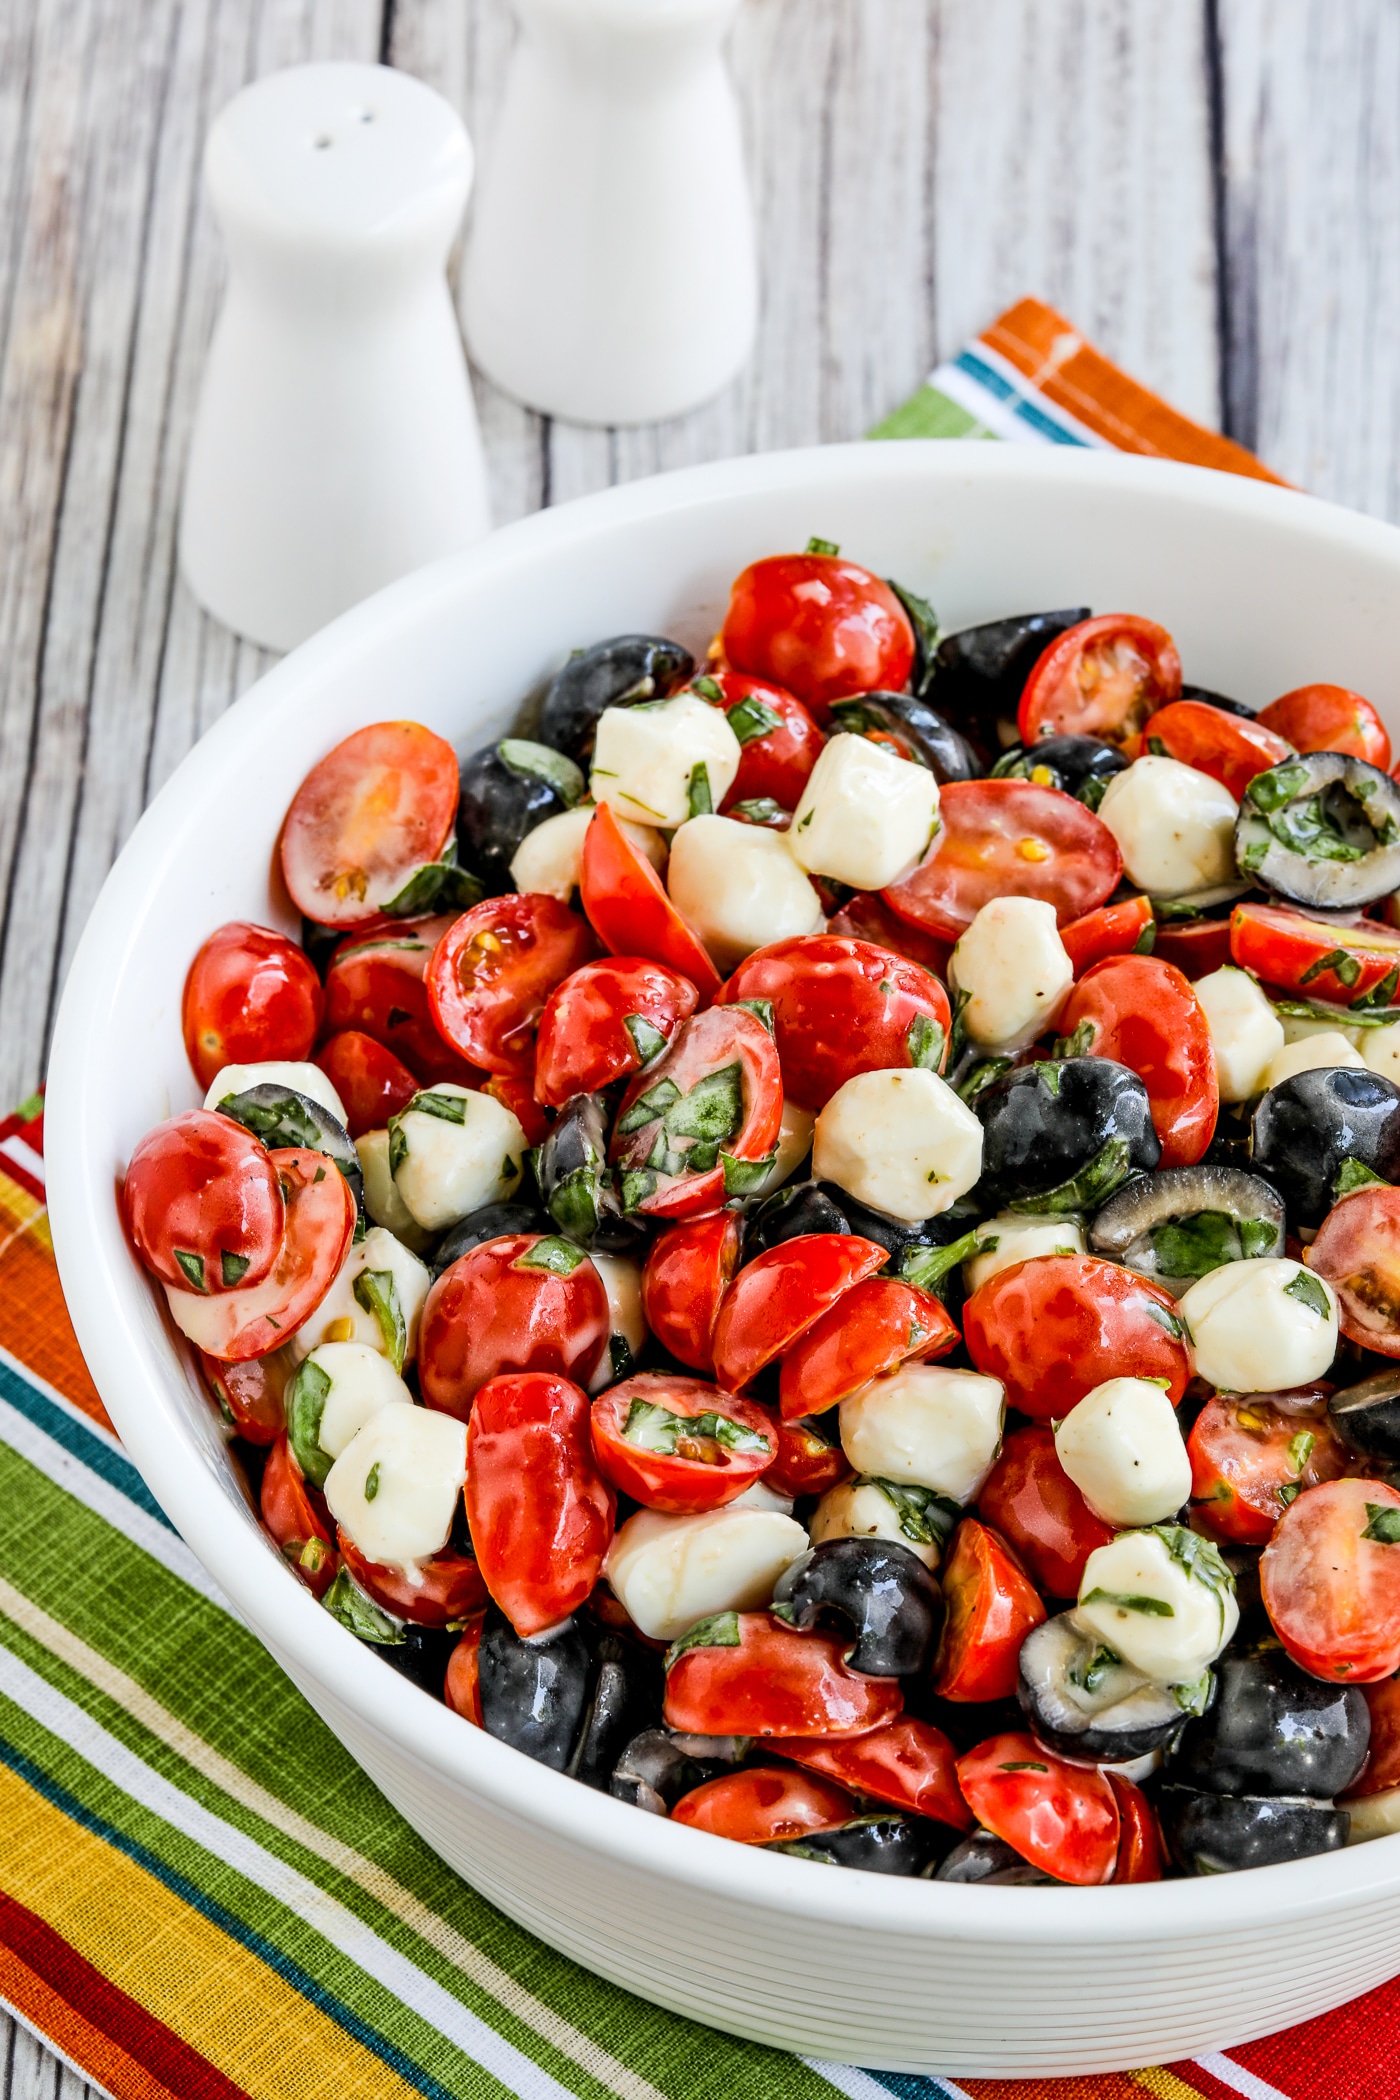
(791, 1213)
(1081, 766)
(1085, 1703)
(656, 1768)
(494, 1221)
(611, 674)
(1226, 706)
(422, 1656)
(883, 1592)
(1063, 1135)
(923, 734)
(1225, 1833)
(883, 1843)
(576, 1182)
(1272, 1729)
(979, 673)
(982, 1857)
(1368, 1415)
(1322, 829)
(1307, 1128)
(506, 790)
(536, 1694)
(279, 1115)
(1185, 1221)
(628, 1686)
(419, 1653)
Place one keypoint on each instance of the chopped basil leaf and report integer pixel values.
(1196, 1245)
(637, 1185)
(191, 1267)
(1164, 1319)
(377, 1294)
(1147, 939)
(1353, 1174)
(701, 801)
(278, 1123)
(398, 1146)
(372, 1482)
(924, 621)
(1383, 1524)
(1257, 1236)
(753, 718)
(654, 1428)
(1077, 1045)
(815, 546)
(1300, 1449)
(1380, 994)
(713, 1109)
(708, 689)
(1092, 1665)
(761, 809)
(542, 763)
(1344, 967)
(360, 1615)
(439, 886)
(743, 1176)
(648, 1042)
(1093, 1185)
(1269, 790)
(719, 1630)
(1151, 1607)
(509, 1169)
(925, 1516)
(449, 1108)
(1194, 1698)
(305, 1405)
(573, 1203)
(925, 1267)
(984, 1075)
(1198, 1556)
(761, 1009)
(1023, 1764)
(649, 1106)
(1287, 1494)
(1308, 1291)
(558, 1256)
(620, 1357)
(924, 1042)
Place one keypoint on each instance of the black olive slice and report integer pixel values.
(982, 1857)
(1310, 1133)
(880, 1844)
(627, 1691)
(1178, 1225)
(1225, 1833)
(281, 1116)
(791, 1213)
(881, 1590)
(614, 673)
(506, 790)
(1368, 1415)
(536, 1694)
(979, 672)
(1322, 829)
(924, 735)
(576, 1182)
(494, 1221)
(656, 1768)
(1081, 766)
(1062, 1135)
(1085, 1703)
(1272, 1729)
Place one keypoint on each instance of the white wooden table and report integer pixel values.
(1210, 188)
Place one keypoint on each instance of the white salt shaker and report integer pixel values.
(610, 272)
(335, 445)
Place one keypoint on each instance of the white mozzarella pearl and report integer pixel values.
(761, 1496)
(394, 1487)
(305, 1079)
(670, 1571)
(1253, 1330)
(859, 1509)
(340, 1317)
(383, 1203)
(549, 859)
(926, 1427)
(900, 1141)
(1175, 1646)
(794, 1143)
(737, 887)
(362, 1381)
(1007, 1239)
(1374, 1816)
(453, 1168)
(1380, 1048)
(866, 815)
(1122, 1447)
(622, 1281)
(1175, 827)
(1245, 1032)
(644, 757)
(1012, 966)
(1315, 1053)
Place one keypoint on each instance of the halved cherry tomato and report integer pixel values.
(541, 1514)
(1253, 1454)
(494, 968)
(745, 1673)
(779, 742)
(820, 627)
(377, 808)
(700, 1124)
(991, 1607)
(1063, 1818)
(865, 916)
(250, 1395)
(1140, 1850)
(629, 910)
(203, 1204)
(872, 1328)
(678, 1444)
(1230, 748)
(295, 1513)
(1382, 1767)
(1054, 1327)
(516, 1091)
(462, 1686)
(450, 1588)
(1196, 947)
(1143, 1013)
(783, 1293)
(1114, 929)
(524, 1302)
(842, 1007)
(1357, 1249)
(375, 986)
(762, 1807)
(250, 996)
(1329, 718)
(1353, 965)
(1330, 1579)
(1002, 838)
(370, 1080)
(1103, 678)
(604, 1022)
(1031, 1500)
(808, 1462)
(907, 1764)
(688, 1271)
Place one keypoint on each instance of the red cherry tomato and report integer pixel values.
(1196, 947)
(524, 1302)
(1230, 748)
(1252, 1456)
(462, 1686)
(646, 1447)
(1031, 1500)
(250, 996)
(820, 627)
(320, 1219)
(783, 1293)
(370, 1080)
(295, 1514)
(629, 909)
(1053, 1328)
(1330, 1579)
(516, 1091)
(808, 1462)
(865, 916)
(451, 1587)
(604, 1023)
(1063, 1818)
(872, 1328)
(842, 1007)
(991, 1607)
(1144, 1014)
(907, 1764)
(1140, 1849)
(1356, 965)
(687, 1273)
(692, 1128)
(493, 970)
(779, 742)
(1001, 838)
(1114, 929)
(744, 1673)
(1382, 1767)
(541, 1514)
(1103, 678)
(1357, 1250)
(763, 1807)
(250, 1395)
(375, 986)
(203, 1204)
(1329, 718)
(379, 806)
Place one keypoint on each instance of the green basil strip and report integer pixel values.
(305, 1405)
(360, 1615)
(981, 1076)
(761, 1009)
(1380, 994)
(559, 1257)
(440, 885)
(1089, 1188)
(448, 1108)
(1269, 791)
(573, 1204)
(654, 1428)
(709, 689)
(1089, 1669)
(926, 1267)
(719, 1630)
(398, 1146)
(376, 1292)
(1308, 1291)
(1166, 1320)
(372, 1482)
(1199, 1556)
(637, 1185)
(1344, 967)
(191, 1267)
(1300, 1449)
(927, 634)
(713, 1109)
(1147, 939)
(648, 1107)
(279, 1123)
(1194, 1698)
(233, 1268)
(1257, 1236)
(620, 1358)
(1151, 1607)
(1023, 1764)
(815, 546)
(1354, 1174)
(701, 801)
(924, 1042)
(1196, 1245)
(1383, 1524)
(1354, 1016)
(1077, 1045)
(753, 718)
(648, 1042)
(540, 762)
(761, 810)
(743, 1176)
(924, 1515)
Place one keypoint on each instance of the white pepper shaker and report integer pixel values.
(335, 445)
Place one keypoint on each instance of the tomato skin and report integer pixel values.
(680, 1486)
(252, 1393)
(808, 1463)
(451, 1588)
(1196, 947)
(370, 1080)
(865, 916)
(1008, 837)
(1243, 1476)
(492, 971)
(1114, 929)
(763, 1807)
(1103, 678)
(780, 1295)
(688, 1270)
(462, 1686)
(1140, 1848)
(374, 809)
(1382, 1768)
(707, 1043)
(1230, 748)
(1145, 1015)
(375, 985)
(820, 627)
(991, 1608)
(1030, 1499)
(1054, 1327)
(776, 1682)
(1063, 1818)
(629, 910)
(205, 1185)
(872, 1328)
(1357, 1249)
(1287, 949)
(1333, 1597)
(777, 763)
(907, 1764)
(296, 1516)
(487, 1316)
(250, 996)
(516, 1091)
(541, 1514)
(1329, 718)
(831, 1018)
(584, 1043)
(258, 1318)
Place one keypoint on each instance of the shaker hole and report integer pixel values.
(363, 116)
(322, 140)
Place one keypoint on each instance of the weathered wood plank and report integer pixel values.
(29, 2071)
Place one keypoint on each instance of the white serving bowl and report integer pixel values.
(1264, 590)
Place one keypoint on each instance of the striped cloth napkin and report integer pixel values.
(202, 1897)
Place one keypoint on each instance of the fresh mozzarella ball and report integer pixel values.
(1123, 1449)
(305, 1079)
(362, 1381)
(622, 1281)
(394, 1487)
(926, 1427)
(1261, 1326)
(737, 887)
(860, 1509)
(644, 757)
(1245, 1032)
(1316, 1053)
(866, 815)
(451, 1168)
(549, 859)
(1012, 965)
(383, 1202)
(1175, 827)
(1380, 1049)
(668, 1572)
(794, 1143)
(761, 1496)
(1009, 1238)
(900, 1141)
(340, 1317)
(1173, 1645)
(1374, 1816)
